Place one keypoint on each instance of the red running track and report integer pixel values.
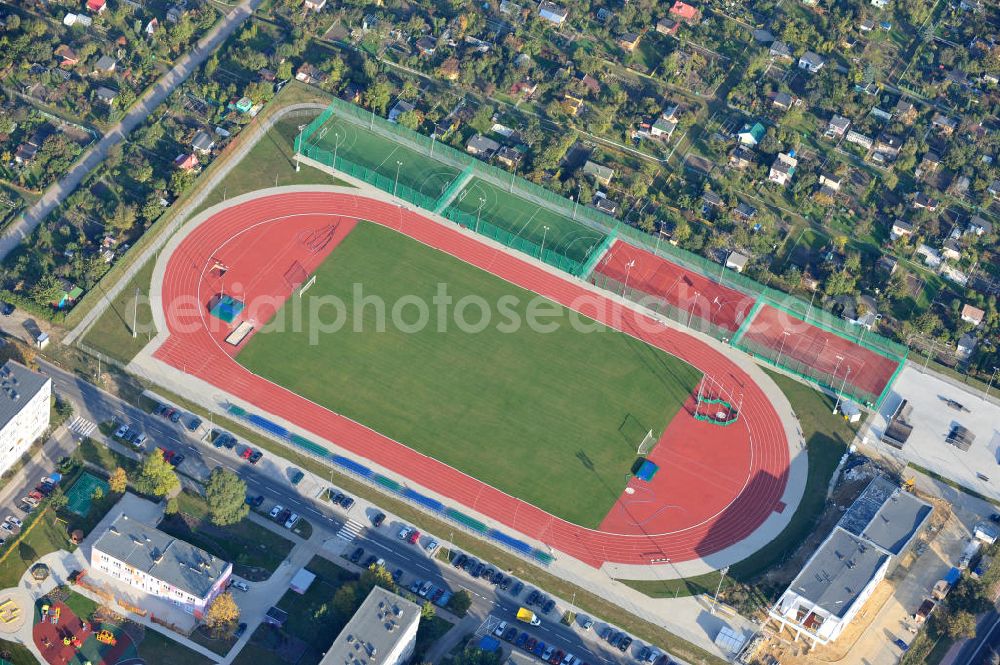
(716, 485)
(840, 359)
(684, 289)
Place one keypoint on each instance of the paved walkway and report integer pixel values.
(22, 227)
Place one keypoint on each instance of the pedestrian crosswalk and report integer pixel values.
(82, 426)
(350, 530)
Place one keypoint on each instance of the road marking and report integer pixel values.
(82, 426)
(350, 530)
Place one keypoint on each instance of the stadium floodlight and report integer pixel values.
(545, 232)
(396, 184)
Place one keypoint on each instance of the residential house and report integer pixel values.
(683, 12)
(741, 157)
(175, 13)
(67, 295)
(552, 12)
(630, 40)
(951, 250)
(667, 26)
(314, 5)
(737, 261)
(973, 315)
(710, 200)
(900, 229)
(928, 164)
(524, 88)
(831, 181)
(866, 25)
(67, 56)
(966, 345)
(481, 146)
(203, 142)
(932, 258)
(783, 168)
(837, 127)
(106, 95)
(762, 36)
(979, 226)
(887, 264)
(600, 173)
(186, 162)
(604, 204)
(811, 62)
(783, 101)
(571, 104)
(944, 124)
(663, 128)
(426, 45)
(751, 135)
(905, 112)
(744, 211)
(77, 19)
(105, 65)
(888, 145)
(96, 6)
(399, 108)
(922, 201)
(510, 157)
(307, 73)
(152, 27)
(590, 83)
(781, 51)
(994, 189)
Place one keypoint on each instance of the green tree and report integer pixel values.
(157, 477)
(427, 611)
(377, 95)
(959, 625)
(460, 602)
(172, 508)
(226, 494)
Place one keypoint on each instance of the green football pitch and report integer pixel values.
(417, 170)
(527, 219)
(552, 417)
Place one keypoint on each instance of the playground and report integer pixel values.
(81, 494)
(63, 638)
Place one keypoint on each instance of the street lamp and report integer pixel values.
(843, 385)
(781, 347)
(396, 184)
(479, 210)
(544, 233)
(628, 270)
(715, 601)
(994, 376)
(336, 146)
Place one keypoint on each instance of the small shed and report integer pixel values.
(276, 616)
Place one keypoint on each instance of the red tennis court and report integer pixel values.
(716, 484)
(836, 361)
(685, 290)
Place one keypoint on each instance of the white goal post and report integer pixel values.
(647, 444)
(309, 282)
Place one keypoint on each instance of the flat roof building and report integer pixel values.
(383, 631)
(24, 410)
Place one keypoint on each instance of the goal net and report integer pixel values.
(647, 444)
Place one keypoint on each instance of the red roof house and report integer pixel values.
(682, 11)
(97, 6)
(186, 162)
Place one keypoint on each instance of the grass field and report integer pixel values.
(553, 418)
(527, 219)
(417, 170)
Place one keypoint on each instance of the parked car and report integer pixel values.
(296, 476)
(431, 546)
(510, 634)
(397, 575)
(625, 643)
(121, 432)
(356, 554)
(522, 639)
(241, 585)
(532, 597)
(556, 658)
(377, 519)
(255, 457)
(517, 588)
(586, 623)
(425, 589)
(7, 309)
(240, 629)
(901, 644)
(346, 502)
(415, 586)
(168, 454)
(194, 424)
(458, 559)
(175, 417)
(160, 409)
(500, 629)
(404, 533)
(335, 496)
(370, 561)
(13, 520)
(255, 501)
(176, 460)
(292, 519)
(540, 650)
(276, 511)
(548, 606)
(530, 644)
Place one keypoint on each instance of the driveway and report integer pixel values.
(22, 227)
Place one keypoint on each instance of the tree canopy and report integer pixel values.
(226, 494)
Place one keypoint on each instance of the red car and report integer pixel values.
(246, 453)
(413, 537)
(167, 454)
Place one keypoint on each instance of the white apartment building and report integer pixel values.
(382, 632)
(25, 398)
(160, 565)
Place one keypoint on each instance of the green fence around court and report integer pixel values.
(586, 217)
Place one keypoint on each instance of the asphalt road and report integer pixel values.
(978, 650)
(22, 227)
(97, 406)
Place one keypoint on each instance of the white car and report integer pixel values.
(13, 520)
(121, 432)
(404, 532)
(139, 440)
(276, 511)
(292, 519)
(8, 527)
(242, 586)
(501, 627)
(431, 546)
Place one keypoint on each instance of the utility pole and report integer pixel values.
(135, 314)
(544, 233)
(840, 395)
(628, 270)
(715, 601)
(992, 377)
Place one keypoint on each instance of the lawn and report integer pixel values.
(16, 654)
(527, 219)
(268, 162)
(111, 333)
(417, 170)
(827, 437)
(550, 416)
(255, 551)
(47, 534)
